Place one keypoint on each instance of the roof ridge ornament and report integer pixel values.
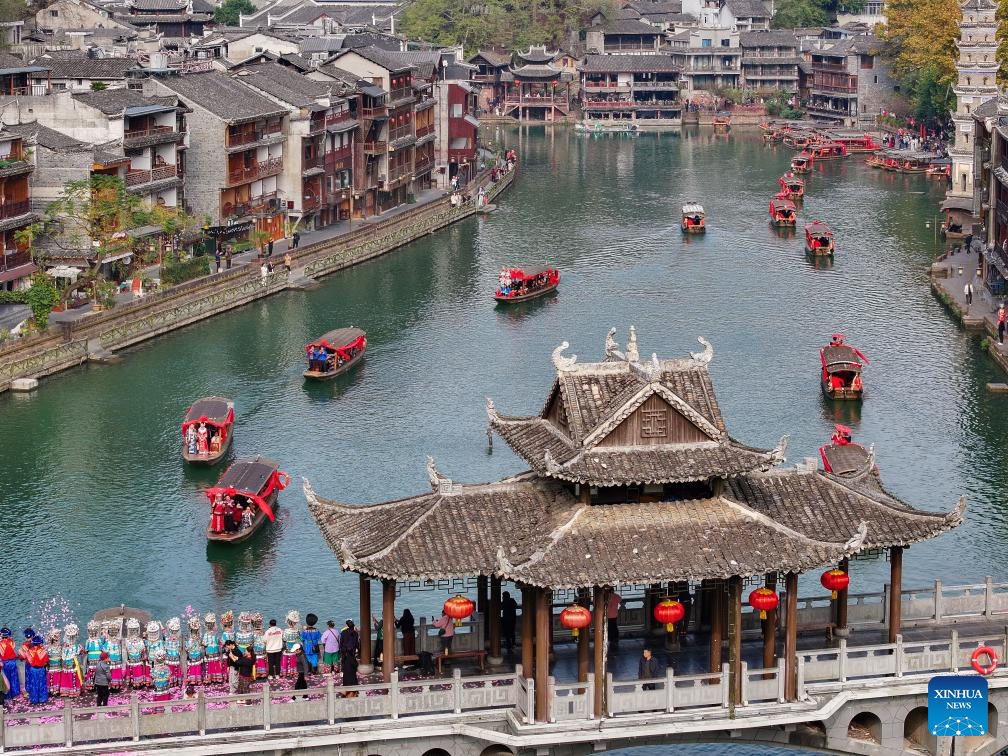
(632, 355)
(855, 542)
(704, 357)
(611, 347)
(552, 466)
(650, 371)
(491, 410)
(777, 453)
(955, 517)
(560, 362)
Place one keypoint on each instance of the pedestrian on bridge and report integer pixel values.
(647, 669)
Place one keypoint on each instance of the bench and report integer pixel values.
(480, 655)
(404, 658)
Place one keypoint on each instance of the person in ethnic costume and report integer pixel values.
(93, 647)
(291, 638)
(70, 673)
(135, 648)
(259, 644)
(173, 649)
(160, 674)
(8, 657)
(113, 644)
(54, 650)
(194, 653)
(154, 643)
(36, 663)
(244, 636)
(212, 650)
(29, 633)
(227, 632)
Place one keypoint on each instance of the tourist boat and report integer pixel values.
(856, 142)
(217, 414)
(827, 151)
(801, 163)
(940, 169)
(792, 187)
(525, 284)
(693, 218)
(722, 120)
(254, 483)
(904, 161)
(599, 127)
(841, 369)
(844, 458)
(819, 239)
(343, 348)
(783, 213)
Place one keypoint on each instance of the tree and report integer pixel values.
(1002, 37)
(98, 86)
(228, 12)
(792, 14)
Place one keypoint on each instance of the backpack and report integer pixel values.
(426, 663)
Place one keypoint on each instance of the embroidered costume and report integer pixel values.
(212, 650)
(291, 638)
(8, 658)
(194, 652)
(70, 672)
(136, 672)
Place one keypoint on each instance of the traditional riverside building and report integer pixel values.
(634, 480)
(641, 88)
(977, 83)
(16, 265)
(538, 90)
(770, 60)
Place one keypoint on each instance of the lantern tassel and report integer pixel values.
(669, 627)
(762, 614)
(833, 595)
(458, 623)
(574, 632)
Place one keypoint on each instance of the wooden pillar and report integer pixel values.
(527, 631)
(582, 640)
(770, 628)
(495, 620)
(841, 604)
(895, 590)
(599, 644)
(791, 636)
(716, 613)
(544, 597)
(735, 637)
(365, 625)
(388, 629)
(481, 594)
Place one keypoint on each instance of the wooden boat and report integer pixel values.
(340, 350)
(792, 187)
(693, 219)
(783, 213)
(841, 369)
(904, 161)
(940, 169)
(249, 483)
(217, 415)
(827, 151)
(856, 142)
(801, 163)
(819, 239)
(844, 458)
(722, 120)
(521, 284)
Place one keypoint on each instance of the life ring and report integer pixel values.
(990, 653)
(283, 479)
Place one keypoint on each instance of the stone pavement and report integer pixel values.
(959, 268)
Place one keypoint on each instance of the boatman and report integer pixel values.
(8, 655)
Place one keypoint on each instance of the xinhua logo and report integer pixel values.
(957, 705)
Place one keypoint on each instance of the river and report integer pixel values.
(98, 508)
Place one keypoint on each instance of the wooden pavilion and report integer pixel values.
(634, 480)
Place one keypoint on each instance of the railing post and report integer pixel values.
(609, 693)
(954, 652)
(266, 705)
(3, 711)
(842, 660)
(589, 696)
(529, 700)
(669, 689)
(457, 689)
(550, 698)
(744, 687)
(800, 684)
(330, 697)
(201, 712)
(885, 605)
(394, 694)
(781, 673)
(725, 687)
(67, 722)
(938, 608)
(988, 595)
(899, 655)
(135, 716)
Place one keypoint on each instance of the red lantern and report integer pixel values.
(669, 612)
(764, 600)
(834, 580)
(458, 608)
(575, 617)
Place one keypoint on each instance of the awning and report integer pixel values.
(471, 120)
(372, 91)
(958, 203)
(142, 232)
(139, 110)
(19, 272)
(64, 271)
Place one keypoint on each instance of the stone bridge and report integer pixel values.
(852, 697)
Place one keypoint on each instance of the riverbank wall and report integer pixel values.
(98, 336)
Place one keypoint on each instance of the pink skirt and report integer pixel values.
(117, 676)
(176, 671)
(288, 664)
(261, 666)
(194, 673)
(53, 679)
(69, 684)
(137, 673)
(166, 696)
(214, 669)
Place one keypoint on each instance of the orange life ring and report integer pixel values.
(283, 480)
(990, 653)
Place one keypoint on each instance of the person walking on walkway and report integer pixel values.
(446, 631)
(273, 643)
(407, 626)
(509, 620)
(216, 257)
(968, 292)
(330, 647)
(102, 679)
(1002, 316)
(287, 262)
(647, 668)
(302, 666)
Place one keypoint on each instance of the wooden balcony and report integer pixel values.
(257, 170)
(15, 259)
(137, 134)
(374, 148)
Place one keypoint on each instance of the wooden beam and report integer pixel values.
(582, 640)
(716, 613)
(495, 618)
(791, 636)
(365, 623)
(895, 590)
(527, 631)
(841, 602)
(388, 629)
(544, 599)
(735, 636)
(770, 628)
(599, 644)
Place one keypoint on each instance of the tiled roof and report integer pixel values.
(222, 95)
(297, 61)
(115, 101)
(153, 6)
(87, 68)
(631, 26)
(384, 58)
(537, 55)
(628, 64)
(492, 57)
(748, 8)
(283, 83)
(776, 38)
(36, 133)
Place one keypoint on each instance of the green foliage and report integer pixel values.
(227, 13)
(930, 96)
(41, 297)
(184, 270)
(921, 37)
(797, 13)
(98, 86)
(778, 105)
(984, 344)
(13, 297)
(242, 246)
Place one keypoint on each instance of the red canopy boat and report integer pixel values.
(801, 163)
(243, 499)
(819, 239)
(334, 353)
(521, 284)
(783, 213)
(792, 187)
(843, 457)
(827, 150)
(841, 369)
(206, 430)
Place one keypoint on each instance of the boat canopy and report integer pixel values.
(791, 180)
(340, 340)
(255, 479)
(783, 204)
(693, 208)
(526, 274)
(818, 228)
(213, 410)
(838, 358)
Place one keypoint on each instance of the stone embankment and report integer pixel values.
(96, 337)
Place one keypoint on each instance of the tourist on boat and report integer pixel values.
(407, 626)
(202, 440)
(273, 644)
(191, 439)
(101, 679)
(330, 647)
(36, 664)
(8, 658)
(246, 517)
(217, 518)
(310, 637)
(291, 638)
(446, 631)
(509, 620)
(1002, 317)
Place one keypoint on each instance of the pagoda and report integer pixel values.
(977, 83)
(634, 479)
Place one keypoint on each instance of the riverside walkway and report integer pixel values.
(853, 695)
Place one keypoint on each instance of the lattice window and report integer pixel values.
(654, 423)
